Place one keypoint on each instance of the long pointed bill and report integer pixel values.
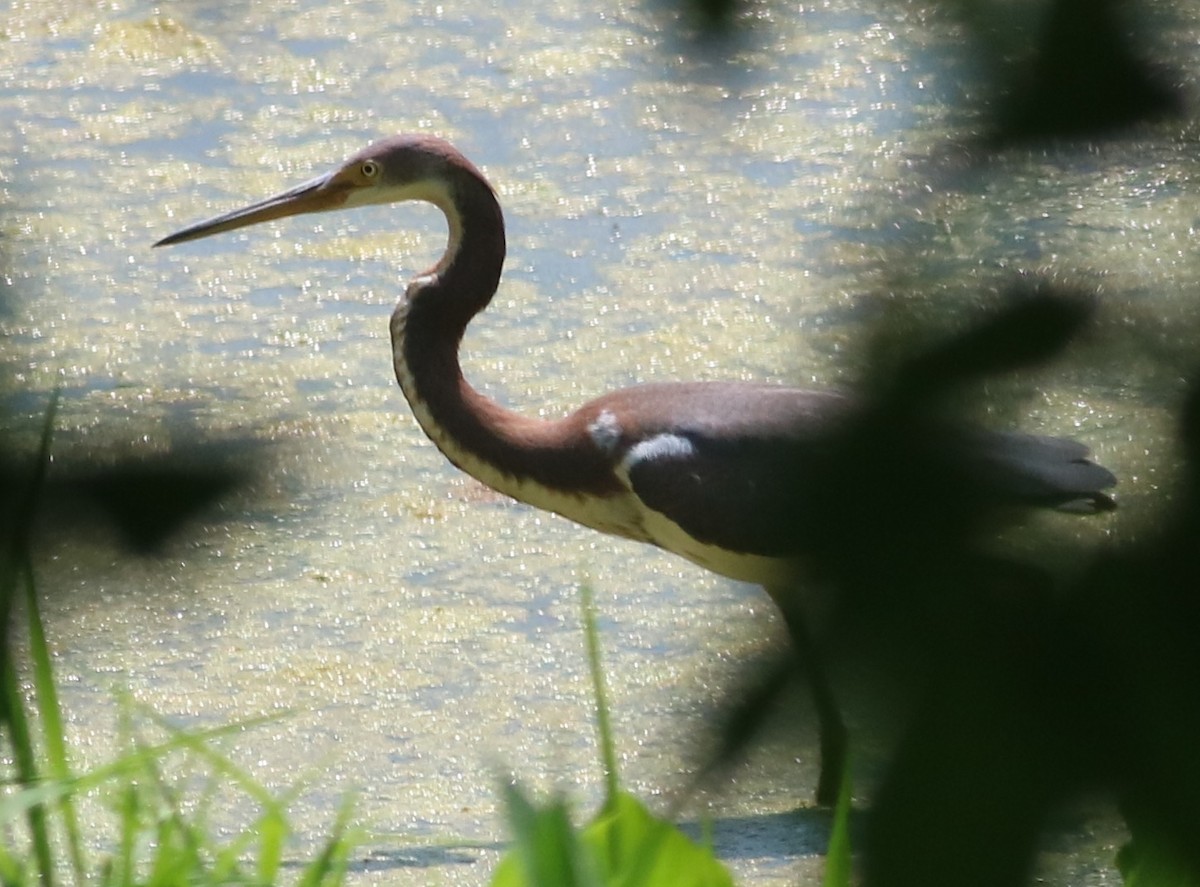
(324, 192)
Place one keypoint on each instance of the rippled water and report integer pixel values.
(738, 208)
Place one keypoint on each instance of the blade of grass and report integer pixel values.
(50, 712)
(129, 764)
(608, 749)
(121, 866)
(11, 871)
(837, 855)
(25, 763)
(12, 706)
(270, 829)
(201, 745)
(330, 865)
(178, 847)
(22, 525)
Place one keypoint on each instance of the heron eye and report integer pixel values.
(369, 169)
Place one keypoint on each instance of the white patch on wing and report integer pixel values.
(605, 431)
(661, 446)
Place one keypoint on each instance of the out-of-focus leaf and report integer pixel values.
(624, 845)
(1144, 863)
(634, 847)
(546, 851)
(151, 498)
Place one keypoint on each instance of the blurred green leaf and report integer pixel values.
(634, 847)
(546, 851)
(625, 845)
(1147, 863)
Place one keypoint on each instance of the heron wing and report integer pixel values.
(761, 469)
(740, 494)
(726, 463)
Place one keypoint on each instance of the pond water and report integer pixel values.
(739, 207)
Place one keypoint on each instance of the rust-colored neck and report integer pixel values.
(518, 455)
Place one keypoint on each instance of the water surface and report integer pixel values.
(677, 210)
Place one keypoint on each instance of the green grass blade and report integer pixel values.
(11, 870)
(25, 762)
(269, 831)
(121, 867)
(50, 712)
(608, 750)
(272, 832)
(127, 765)
(179, 846)
(837, 855)
(329, 868)
(201, 745)
(12, 706)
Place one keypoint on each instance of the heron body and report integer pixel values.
(693, 468)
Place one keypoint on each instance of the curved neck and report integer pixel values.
(463, 282)
(504, 449)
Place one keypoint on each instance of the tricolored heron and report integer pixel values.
(690, 467)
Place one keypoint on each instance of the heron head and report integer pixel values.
(404, 167)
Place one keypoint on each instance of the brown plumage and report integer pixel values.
(715, 472)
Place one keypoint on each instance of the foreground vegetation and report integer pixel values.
(161, 791)
(160, 788)
(623, 844)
